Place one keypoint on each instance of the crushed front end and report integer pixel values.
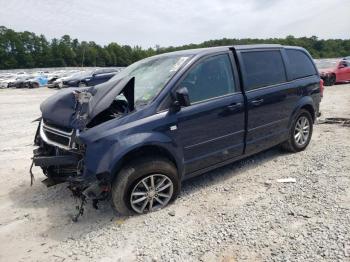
(61, 158)
(58, 154)
(62, 150)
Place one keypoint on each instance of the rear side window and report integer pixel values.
(300, 64)
(263, 68)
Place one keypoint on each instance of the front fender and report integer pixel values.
(105, 155)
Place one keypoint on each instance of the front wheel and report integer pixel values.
(300, 132)
(82, 84)
(146, 185)
(332, 80)
(34, 85)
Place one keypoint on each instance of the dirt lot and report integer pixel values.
(236, 213)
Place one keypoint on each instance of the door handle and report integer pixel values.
(234, 106)
(257, 102)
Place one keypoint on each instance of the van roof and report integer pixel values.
(209, 50)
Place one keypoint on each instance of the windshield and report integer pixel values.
(151, 74)
(326, 63)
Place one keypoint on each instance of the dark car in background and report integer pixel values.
(89, 78)
(20, 82)
(173, 116)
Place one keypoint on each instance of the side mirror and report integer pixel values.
(182, 99)
(182, 96)
(94, 74)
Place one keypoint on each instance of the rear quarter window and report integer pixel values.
(263, 68)
(300, 64)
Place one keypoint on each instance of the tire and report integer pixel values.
(82, 84)
(34, 85)
(332, 80)
(129, 181)
(326, 81)
(295, 142)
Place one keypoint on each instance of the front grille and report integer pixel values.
(56, 136)
(61, 128)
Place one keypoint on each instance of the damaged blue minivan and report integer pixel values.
(174, 116)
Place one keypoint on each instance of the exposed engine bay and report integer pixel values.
(115, 110)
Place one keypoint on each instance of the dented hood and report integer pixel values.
(76, 107)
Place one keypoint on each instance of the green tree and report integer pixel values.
(26, 49)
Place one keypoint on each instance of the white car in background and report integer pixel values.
(5, 79)
(57, 82)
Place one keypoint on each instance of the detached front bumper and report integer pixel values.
(47, 161)
(57, 165)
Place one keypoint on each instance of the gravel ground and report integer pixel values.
(236, 213)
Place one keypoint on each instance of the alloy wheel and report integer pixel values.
(151, 193)
(302, 131)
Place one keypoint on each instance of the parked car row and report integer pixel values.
(335, 71)
(57, 79)
(84, 78)
(28, 81)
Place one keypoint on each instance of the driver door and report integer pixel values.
(211, 129)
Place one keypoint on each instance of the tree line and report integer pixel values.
(28, 50)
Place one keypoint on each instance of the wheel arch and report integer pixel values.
(139, 151)
(310, 109)
(305, 103)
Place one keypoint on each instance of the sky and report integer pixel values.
(172, 23)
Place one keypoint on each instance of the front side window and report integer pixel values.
(210, 78)
(263, 68)
(300, 64)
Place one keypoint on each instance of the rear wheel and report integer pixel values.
(35, 85)
(300, 132)
(146, 185)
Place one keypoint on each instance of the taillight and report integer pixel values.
(321, 87)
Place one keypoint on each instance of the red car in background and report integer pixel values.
(335, 72)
